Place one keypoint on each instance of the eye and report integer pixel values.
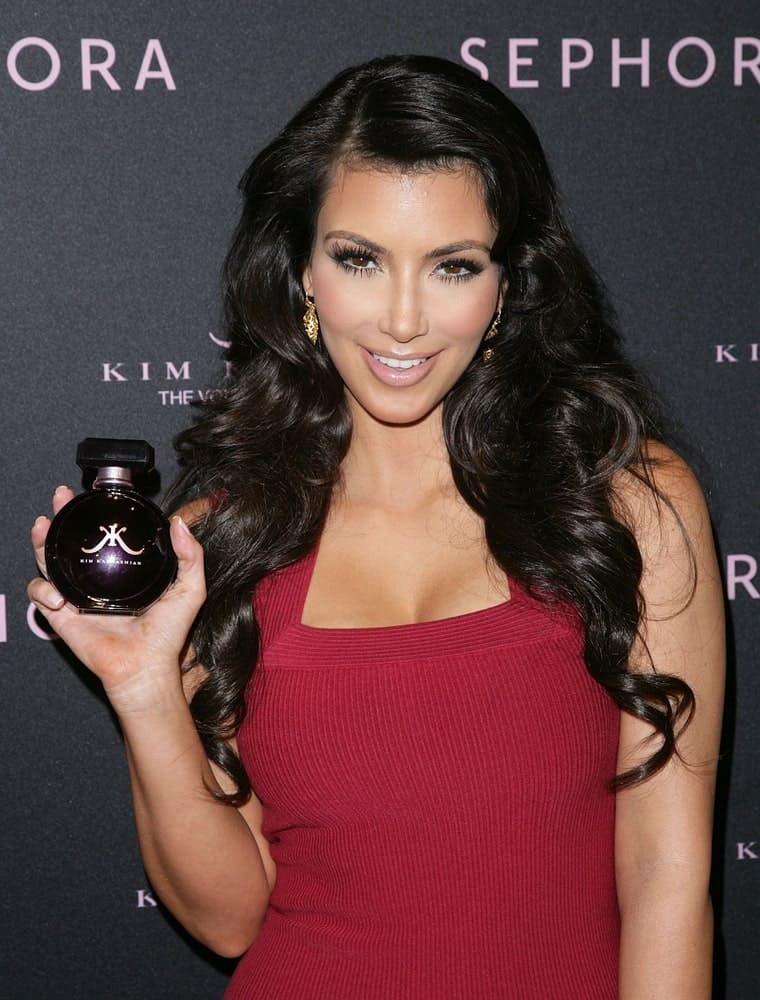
(359, 261)
(354, 259)
(460, 269)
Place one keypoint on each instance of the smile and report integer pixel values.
(399, 362)
(399, 372)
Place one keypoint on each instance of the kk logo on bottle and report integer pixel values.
(112, 537)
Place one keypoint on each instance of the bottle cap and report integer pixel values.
(125, 453)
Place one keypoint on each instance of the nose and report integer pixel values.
(404, 316)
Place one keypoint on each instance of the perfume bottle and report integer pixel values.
(108, 550)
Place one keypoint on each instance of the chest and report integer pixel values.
(378, 571)
(350, 727)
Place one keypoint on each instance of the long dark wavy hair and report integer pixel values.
(536, 437)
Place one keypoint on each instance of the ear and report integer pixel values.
(306, 281)
(503, 294)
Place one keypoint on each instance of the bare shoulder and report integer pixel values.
(660, 489)
(663, 504)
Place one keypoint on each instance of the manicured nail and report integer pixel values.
(55, 598)
(59, 488)
(182, 525)
(40, 519)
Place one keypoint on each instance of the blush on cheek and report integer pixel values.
(342, 304)
(469, 318)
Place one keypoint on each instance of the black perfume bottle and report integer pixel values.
(108, 549)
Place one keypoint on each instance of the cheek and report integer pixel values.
(468, 312)
(343, 299)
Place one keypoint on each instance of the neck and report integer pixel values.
(398, 467)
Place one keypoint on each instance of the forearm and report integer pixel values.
(666, 943)
(199, 853)
(202, 856)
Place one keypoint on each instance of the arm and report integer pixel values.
(663, 830)
(208, 861)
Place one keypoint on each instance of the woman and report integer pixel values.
(481, 599)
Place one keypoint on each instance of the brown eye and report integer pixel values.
(357, 260)
(458, 270)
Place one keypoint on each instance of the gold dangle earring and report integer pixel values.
(493, 329)
(310, 321)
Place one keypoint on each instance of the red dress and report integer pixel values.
(436, 800)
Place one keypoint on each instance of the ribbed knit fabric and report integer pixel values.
(436, 800)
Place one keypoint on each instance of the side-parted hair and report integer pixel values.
(537, 437)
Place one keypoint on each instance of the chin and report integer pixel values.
(399, 416)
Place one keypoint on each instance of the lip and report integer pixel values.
(399, 376)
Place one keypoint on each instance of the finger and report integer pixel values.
(39, 534)
(44, 595)
(186, 546)
(40, 527)
(61, 497)
(188, 592)
(59, 615)
(189, 554)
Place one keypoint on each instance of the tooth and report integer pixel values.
(398, 362)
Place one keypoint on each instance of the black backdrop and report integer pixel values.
(118, 197)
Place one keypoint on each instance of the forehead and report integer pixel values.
(385, 203)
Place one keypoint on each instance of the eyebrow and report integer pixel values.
(444, 251)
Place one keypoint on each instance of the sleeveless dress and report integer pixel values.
(436, 799)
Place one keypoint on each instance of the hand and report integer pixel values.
(134, 657)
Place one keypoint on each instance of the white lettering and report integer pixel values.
(3, 620)
(640, 60)
(697, 81)
(145, 899)
(469, 60)
(182, 397)
(516, 61)
(112, 374)
(48, 49)
(752, 63)
(34, 626)
(744, 578)
(101, 68)
(112, 371)
(570, 65)
(153, 50)
(227, 343)
(753, 355)
(183, 372)
(723, 352)
(745, 851)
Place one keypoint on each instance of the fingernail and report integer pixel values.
(59, 488)
(55, 598)
(39, 519)
(182, 525)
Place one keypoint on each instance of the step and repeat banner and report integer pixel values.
(125, 129)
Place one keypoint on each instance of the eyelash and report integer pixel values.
(342, 254)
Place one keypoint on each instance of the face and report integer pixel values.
(404, 286)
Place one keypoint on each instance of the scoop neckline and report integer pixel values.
(452, 622)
